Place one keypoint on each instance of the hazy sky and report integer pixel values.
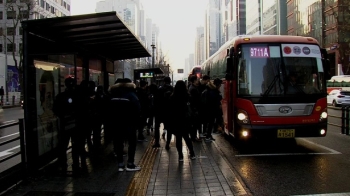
(177, 21)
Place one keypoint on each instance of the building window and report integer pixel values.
(52, 10)
(1, 1)
(42, 3)
(11, 14)
(20, 31)
(1, 15)
(68, 7)
(10, 1)
(1, 32)
(24, 14)
(11, 31)
(1, 50)
(11, 48)
(20, 46)
(47, 7)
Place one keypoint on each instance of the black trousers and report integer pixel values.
(182, 133)
(121, 135)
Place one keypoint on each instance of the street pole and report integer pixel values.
(153, 47)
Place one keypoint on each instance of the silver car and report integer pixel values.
(338, 97)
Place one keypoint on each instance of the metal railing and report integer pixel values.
(345, 119)
(14, 174)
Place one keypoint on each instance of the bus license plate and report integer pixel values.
(286, 133)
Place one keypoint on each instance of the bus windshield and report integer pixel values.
(278, 70)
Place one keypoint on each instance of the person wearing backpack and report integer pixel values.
(124, 114)
(160, 108)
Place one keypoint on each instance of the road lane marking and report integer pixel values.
(7, 152)
(9, 135)
(331, 151)
(321, 146)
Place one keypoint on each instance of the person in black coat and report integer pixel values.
(142, 94)
(212, 109)
(124, 114)
(179, 125)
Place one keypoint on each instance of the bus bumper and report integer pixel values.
(281, 131)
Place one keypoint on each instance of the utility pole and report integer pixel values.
(153, 48)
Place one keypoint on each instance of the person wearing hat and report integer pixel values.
(212, 109)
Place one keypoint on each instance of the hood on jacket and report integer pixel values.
(122, 87)
(211, 85)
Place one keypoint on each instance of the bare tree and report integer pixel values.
(16, 11)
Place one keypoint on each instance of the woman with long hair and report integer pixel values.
(180, 126)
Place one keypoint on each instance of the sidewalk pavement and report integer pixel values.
(161, 174)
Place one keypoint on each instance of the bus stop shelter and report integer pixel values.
(83, 46)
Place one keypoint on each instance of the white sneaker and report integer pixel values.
(201, 135)
(132, 167)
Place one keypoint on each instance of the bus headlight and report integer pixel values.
(324, 115)
(243, 117)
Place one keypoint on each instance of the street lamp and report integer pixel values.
(153, 48)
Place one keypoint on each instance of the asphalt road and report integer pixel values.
(302, 166)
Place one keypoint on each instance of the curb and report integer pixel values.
(10, 106)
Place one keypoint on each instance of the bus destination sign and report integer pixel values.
(259, 52)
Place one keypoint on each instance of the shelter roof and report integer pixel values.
(102, 34)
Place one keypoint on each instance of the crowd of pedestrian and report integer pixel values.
(126, 112)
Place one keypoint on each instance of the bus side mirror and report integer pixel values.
(229, 69)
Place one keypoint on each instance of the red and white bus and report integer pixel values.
(196, 70)
(259, 97)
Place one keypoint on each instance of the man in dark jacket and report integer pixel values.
(160, 108)
(124, 115)
(2, 93)
(64, 108)
(213, 106)
(145, 108)
(203, 125)
(195, 103)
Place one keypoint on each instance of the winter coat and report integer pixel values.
(212, 108)
(177, 116)
(123, 107)
(161, 99)
(144, 101)
(195, 97)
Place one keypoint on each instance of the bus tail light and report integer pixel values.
(323, 115)
(243, 117)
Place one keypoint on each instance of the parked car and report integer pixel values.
(338, 97)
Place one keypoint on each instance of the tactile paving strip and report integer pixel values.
(138, 185)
